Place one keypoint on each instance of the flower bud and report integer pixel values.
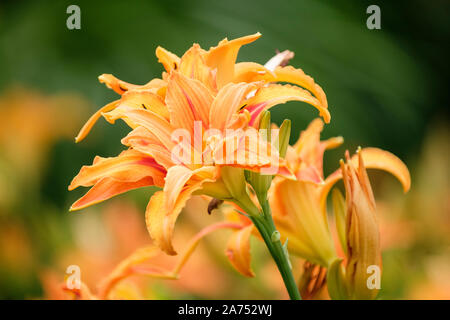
(362, 233)
(260, 182)
(284, 136)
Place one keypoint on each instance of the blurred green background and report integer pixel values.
(386, 88)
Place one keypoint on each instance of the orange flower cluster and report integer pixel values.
(189, 136)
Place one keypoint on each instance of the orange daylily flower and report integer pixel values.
(190, 98)
(215, 69)
(299, 207)
(181, 141)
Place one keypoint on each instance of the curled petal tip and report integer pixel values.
(380, 159)
(326, 116)
(74, 208)
(252, 36)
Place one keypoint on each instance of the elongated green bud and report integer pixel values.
(261, 183)
(284, 135)
(264, 124)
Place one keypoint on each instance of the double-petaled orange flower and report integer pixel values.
(194, 131)
(200, 97)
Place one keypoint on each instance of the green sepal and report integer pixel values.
(337, 287)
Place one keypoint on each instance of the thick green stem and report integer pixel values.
(266, 227)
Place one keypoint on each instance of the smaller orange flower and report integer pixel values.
(299, 207)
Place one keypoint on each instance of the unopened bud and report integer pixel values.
(264, 124)
(284, 136)
(261, 183)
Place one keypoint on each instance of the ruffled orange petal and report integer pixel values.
(188, 100)
(247, 150)
(298, 77)
(176, 179)
(169, 60)
(227, 102)
(274, 94)
(165, 206)
(373, 158)
(146, 142)
(156, 124)
(129, 166)
(251, 72)
(121, 87)
(107, 188)
(306, 157)
(115, 84)
(309, 138)
(239, 120)
(139, 98)
(145, 99)
(193, 66)
(297, 212)
(223, 57)
(93, 119)
(238, 251)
